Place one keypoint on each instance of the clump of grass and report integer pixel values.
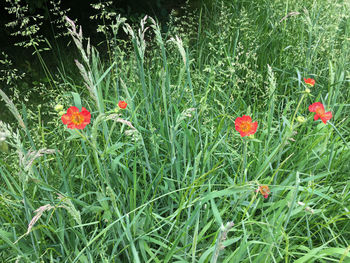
(155, 181)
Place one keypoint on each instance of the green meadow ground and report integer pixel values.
(169, 179)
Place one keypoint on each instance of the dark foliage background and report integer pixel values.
(79, 10)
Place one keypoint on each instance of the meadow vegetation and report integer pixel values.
(166, 176)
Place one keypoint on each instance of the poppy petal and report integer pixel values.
(86, 114)
(246, 118)
(327, 116)
(254, 127)
(317, 106)
(72, 109)
(65, 118)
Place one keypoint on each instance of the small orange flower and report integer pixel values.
(309, 81)
(264, 190)
(122, 104)
(245, 126)
(320, 112)
(75, 119)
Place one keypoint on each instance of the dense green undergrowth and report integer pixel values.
(169, 179)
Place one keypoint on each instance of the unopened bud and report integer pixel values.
(58, 107)
(301, 119)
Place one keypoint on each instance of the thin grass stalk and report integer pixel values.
(166, 110)
(46, 70)
(195, 237)
(244, 166)
(296, 110)
(142, 141)
(345, 142)
(166, 94)
(292, 204)
(26, 127)
(194, 104)
(33, 238)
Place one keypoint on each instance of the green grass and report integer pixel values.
(165, 190)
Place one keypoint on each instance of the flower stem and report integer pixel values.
(86, 139)
(296, 111)
(95, 151)
(244, 166)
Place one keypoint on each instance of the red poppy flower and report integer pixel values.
(122, 104)
(245, 126)
(320, 112)
(264, 190)
(75, 119)
(309, 81)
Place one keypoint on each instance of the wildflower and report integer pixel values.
(264, 190)
(58, 107)
(75, 119)
(245, 126)
(307, 90)
(301, 119)
(309, 81)
(122, 104)
(318, 108)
